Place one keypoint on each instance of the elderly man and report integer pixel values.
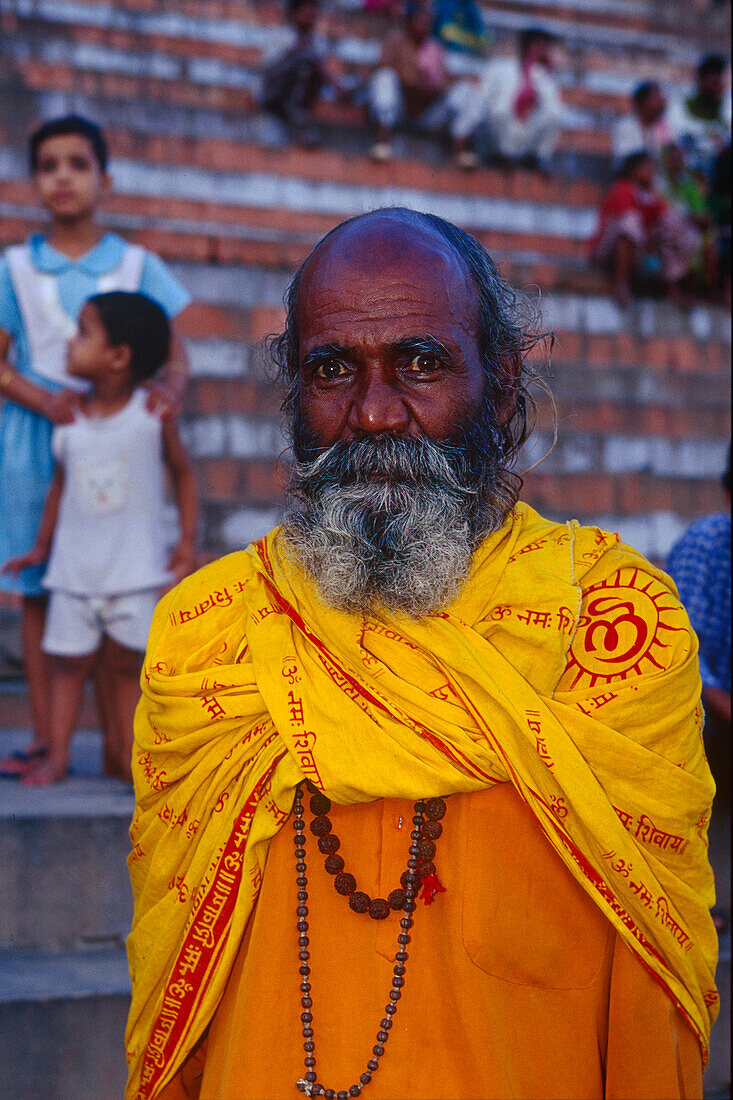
(421, 793)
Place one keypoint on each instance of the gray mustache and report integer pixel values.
(399, 461)
(390, 523)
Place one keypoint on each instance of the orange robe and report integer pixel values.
(557, 705)
(516, 985)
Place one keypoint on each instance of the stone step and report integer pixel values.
(159, 109)
(65, 910)
(210, 196)
(62, 1024)
(54, 40)
(207, 150)
(248, 30)
(63, 853)
(186, 239)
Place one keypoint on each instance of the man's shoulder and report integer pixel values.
(585, 544)
(587, 555)
(232, 571)
(204, 606)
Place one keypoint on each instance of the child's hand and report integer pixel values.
(36, 556)
(62, 407)
(182, 560)
(165, 394)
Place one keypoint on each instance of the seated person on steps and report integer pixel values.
(412, 82)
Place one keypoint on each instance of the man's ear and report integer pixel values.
(511, 372)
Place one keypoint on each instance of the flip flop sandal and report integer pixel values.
(15, 765)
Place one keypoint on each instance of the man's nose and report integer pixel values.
(378, 407)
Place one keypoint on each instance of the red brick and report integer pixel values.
(264, 483)
(221, 479)
(628, 351)
(264, 321)
(568, 495)
(599, 351)
(659, 352)
(544, 275)
(201, 320)
(205, 396)
(717, 355)
(685, 354)
(569, 347)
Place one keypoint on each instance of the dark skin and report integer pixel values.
(388, 325)
(652, 107)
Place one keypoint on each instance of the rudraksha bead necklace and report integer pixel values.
(426, 829)
(345, 883)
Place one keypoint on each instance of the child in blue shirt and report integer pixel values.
(43, 285)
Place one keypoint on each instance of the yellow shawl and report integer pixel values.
(566, 667)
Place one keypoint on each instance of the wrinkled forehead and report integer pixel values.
(388, 270)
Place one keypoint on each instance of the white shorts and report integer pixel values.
(75, 625)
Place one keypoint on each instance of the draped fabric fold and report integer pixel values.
(566, 667)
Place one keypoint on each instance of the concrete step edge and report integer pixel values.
(68, 975)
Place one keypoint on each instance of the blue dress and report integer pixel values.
(26, 463)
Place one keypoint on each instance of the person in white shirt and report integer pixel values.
(521, 102)
(102, 531)
(646, 129)
(701, 120)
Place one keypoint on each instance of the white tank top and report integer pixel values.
(48, 327)
(109, 536)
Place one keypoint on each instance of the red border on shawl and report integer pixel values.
(219, 933)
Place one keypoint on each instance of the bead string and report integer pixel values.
(309, 1083)
(345, 883)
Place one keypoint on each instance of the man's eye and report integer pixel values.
(80, 164)
(330, 369)
(423, 364)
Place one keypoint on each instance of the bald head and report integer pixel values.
(402, 248)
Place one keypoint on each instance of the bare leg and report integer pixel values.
(622, 267)
(127, 664)
(37, 667)
(104, 689)
(68, 675)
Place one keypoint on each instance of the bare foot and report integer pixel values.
(17, 763)
(44, 773)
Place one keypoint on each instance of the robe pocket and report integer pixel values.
(525, 918)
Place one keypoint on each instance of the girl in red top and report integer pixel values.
(639, 233)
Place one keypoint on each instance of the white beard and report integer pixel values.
(390, 524)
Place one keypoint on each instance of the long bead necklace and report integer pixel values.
(377, 908)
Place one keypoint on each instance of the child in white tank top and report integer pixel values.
(102, 531)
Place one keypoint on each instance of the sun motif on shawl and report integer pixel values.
(625, 627)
